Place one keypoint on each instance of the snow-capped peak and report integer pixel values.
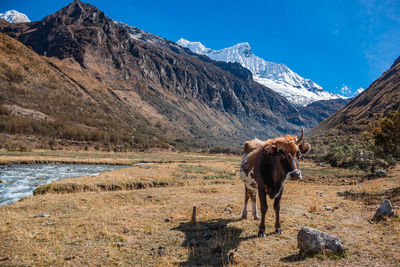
(278, 77)
(14, 16)
(195, 47)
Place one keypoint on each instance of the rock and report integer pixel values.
(344, 181)
(2, 182)
(328, 208)
(321, 164)
(167, 219)
(228, 210)
(161, 252)
(4, 259)
(48, 223)
(41, 215)
(312, 241)
(68, 258)
(121, 244)
(386, 209)
(380, 173)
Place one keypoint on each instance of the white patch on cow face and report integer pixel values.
(294, 175)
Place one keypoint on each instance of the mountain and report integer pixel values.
(13, 16)
(382, 96)
(278, 77)
(143, 85)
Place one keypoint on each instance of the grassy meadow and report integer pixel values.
(141, 215)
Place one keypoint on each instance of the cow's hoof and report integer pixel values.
(244, 215)
(261, 233)
(256, 217)
(278, 231)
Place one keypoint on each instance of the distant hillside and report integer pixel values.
(376, 101)
(346, 138)
(155, 90)
(42, 106)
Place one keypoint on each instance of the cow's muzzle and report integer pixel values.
(294, 175)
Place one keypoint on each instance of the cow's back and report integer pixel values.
(251, 145)
(246, 166)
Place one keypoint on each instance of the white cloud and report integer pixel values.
(345, 90)
(348, 91)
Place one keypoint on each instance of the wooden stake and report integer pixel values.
(194, 221)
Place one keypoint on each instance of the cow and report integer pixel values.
(265, 167)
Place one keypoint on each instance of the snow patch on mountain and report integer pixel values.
(278, 77)
(14, 16)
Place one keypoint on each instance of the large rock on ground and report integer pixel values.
(386, 209)
(312, 241)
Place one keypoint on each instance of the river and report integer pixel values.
(19, 180)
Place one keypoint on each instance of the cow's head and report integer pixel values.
(288, 151)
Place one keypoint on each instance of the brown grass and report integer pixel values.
(153, 224)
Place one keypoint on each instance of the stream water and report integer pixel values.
(19, 180)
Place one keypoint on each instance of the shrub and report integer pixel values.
(386, 136)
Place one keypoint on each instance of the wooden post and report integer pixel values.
(194, 221)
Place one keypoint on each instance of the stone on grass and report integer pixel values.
(386, 209)
(41, 215)
(312, 241)
(120, 244)
(380, 173)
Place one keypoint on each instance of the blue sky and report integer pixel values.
(337, 43)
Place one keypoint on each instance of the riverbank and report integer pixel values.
(150, 225)
(96, 157)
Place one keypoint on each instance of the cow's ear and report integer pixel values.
(270, 150)
(304, 147)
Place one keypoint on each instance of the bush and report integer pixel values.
(386, 136)
(378, 147)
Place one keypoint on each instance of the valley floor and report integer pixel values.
(141, 215)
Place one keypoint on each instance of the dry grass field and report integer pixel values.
(141, 215)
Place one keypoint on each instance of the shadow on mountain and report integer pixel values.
(211, 243)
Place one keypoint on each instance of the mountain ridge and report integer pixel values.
(189, 97)
(279, 77)
(14, 16)
(382, 96)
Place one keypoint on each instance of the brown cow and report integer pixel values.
(266, 168)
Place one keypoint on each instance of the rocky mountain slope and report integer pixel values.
(185, 97)
(14, 16)
(382, 96)
(280, 78)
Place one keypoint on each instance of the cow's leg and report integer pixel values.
(246, 199)
(264, 207)
(254, 204)
(277, 208)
